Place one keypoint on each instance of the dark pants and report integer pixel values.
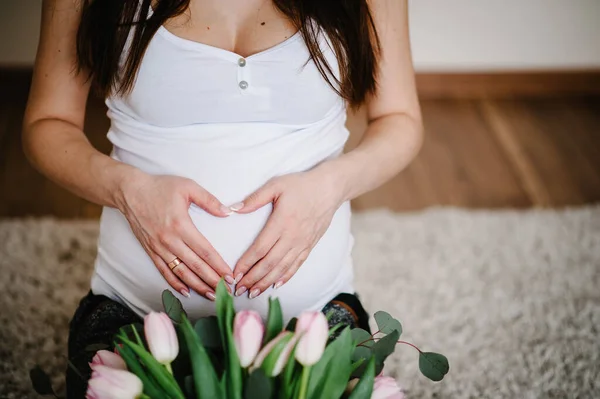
(98, 318)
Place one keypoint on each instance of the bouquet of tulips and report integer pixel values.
(236, 355)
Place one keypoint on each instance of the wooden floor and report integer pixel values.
(478, 153)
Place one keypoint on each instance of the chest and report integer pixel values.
(182, 82)
(242, 26)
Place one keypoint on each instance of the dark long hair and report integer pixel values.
(106, 24)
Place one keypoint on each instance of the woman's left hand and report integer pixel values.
(303, 206)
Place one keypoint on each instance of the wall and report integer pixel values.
(450, 35)
(447, 35)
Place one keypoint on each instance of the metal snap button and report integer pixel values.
(243, 85)
(242, 62)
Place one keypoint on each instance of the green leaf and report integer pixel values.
(319, 370)
(258, 385)
(271, 359)
(41, 381)
(364, 388)
(361, 352)
(290, 374)
(207, 329)
(340, 367)
(274, 320)
(157, 370)
(356, 365)
(330, 375)
(360, 336)
(173, 306)
(134, 328)
(333, 329)
(433, 365)
(225, 315)
(222, 303)
(206, 382)
(385, 346)
(151, 388)
(386, 323)
(360, 358)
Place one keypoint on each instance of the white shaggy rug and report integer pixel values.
(511, 297)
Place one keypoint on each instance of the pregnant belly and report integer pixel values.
(126, 271)
(230, 163)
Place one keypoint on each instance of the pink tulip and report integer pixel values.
(313, 332)
(386, 388)
(283, 356)
(161, 337)
(248, 332)
(109, 359)
(109, 383)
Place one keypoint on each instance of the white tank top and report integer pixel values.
(230, 124)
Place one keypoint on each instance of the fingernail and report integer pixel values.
(237, 206)
(229, 279)
(238, 278)
(185, 293)
(211, 296)
(278, 284)
(254, 293)
(226, 210)
(240, 291)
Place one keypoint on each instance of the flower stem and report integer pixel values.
(169, 369)
(370, 339)
(304, 382)
(409, 344)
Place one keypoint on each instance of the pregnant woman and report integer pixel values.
(228, 129)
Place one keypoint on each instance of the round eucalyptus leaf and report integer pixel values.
(386, 323)
(360, 336)
(433, 365)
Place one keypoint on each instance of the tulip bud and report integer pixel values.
(386, 388)
(161, 337)
(109, 359)
(275, 366)
(109, 383)
(248, 331)
(313, 331)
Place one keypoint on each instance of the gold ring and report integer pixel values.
(174, 263)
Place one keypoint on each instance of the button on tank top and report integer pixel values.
(230, 123)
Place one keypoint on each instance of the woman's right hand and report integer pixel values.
(157, 210)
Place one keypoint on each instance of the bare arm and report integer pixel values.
(395, 133)
(54, 142)
(53, 137)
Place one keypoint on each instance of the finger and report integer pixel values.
(194, 263)
(261, 197)
(205, 251)
(186, 275)
(291, 270)
(168, 275)
(274, 274)
(190, 278)
(259, 249)
(262, 268)
(207, 201)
